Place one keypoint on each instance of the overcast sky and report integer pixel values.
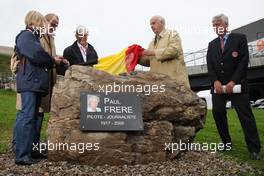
(116, 24)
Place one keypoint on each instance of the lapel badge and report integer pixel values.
(234, 54)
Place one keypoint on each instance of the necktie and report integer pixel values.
(156, 39)
(222, 42)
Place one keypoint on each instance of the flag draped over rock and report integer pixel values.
(122, 62)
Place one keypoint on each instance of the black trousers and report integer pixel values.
(246, 117)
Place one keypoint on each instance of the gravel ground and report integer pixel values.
(190, 163)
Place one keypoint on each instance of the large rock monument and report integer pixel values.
(171, 116)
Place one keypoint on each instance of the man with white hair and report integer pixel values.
(92, 103)
(227, 62)
(164, 54)
(80, 52)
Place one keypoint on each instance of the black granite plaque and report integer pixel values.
(111, 112)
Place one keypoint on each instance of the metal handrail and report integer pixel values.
(201, 58)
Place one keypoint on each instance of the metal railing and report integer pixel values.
(199, 57)
(7, 80)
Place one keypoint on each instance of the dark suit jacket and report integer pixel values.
(232, 64)
(74, 56)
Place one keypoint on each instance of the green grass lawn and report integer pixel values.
(4, 64)
(7, 118)
(239, 150)
(208, 134)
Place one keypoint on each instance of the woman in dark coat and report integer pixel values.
(32, 83)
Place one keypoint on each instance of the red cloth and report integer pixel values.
(133, 53)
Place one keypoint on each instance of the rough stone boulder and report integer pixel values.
(169, 117)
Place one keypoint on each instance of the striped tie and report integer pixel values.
(222, 42)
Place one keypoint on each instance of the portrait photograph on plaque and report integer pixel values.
(92, 103)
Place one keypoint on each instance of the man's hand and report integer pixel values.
(148, 53)
(66, 62)
(57, 60)
(60, 59)
(229, 87)
(218, 87)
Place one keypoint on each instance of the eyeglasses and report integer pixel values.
(54, 24)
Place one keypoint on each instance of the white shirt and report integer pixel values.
(89, 109)
(83, 51)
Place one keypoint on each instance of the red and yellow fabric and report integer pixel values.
(122, 62)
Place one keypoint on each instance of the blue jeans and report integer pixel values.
(38, 125)
(25, 127)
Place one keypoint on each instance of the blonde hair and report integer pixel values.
(35, 19)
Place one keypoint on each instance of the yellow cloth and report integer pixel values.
(114, 64)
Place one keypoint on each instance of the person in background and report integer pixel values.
(227, 63)
(48, 44)
(80, 52)
(164, 54)
(32, 83)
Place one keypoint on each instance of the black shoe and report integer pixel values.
(38, 155)
(255, 156)
(26, 162)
